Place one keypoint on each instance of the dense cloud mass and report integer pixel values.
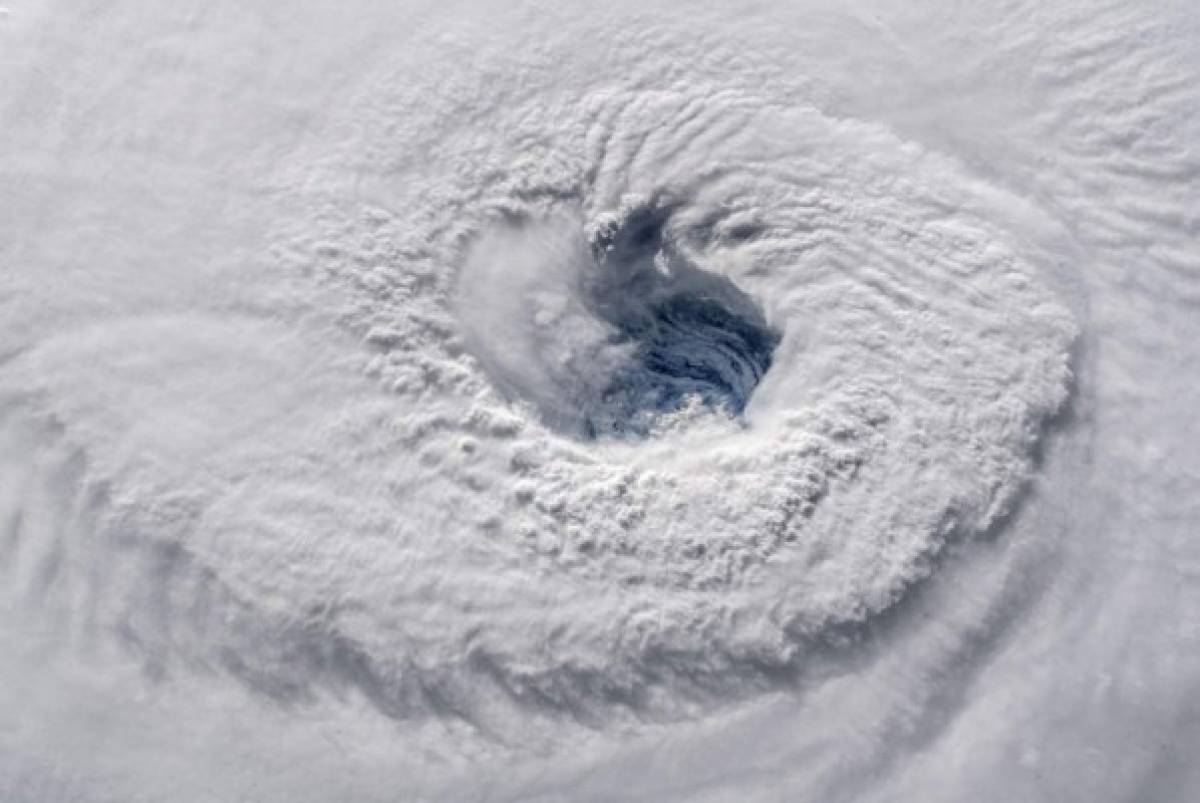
(406, 401)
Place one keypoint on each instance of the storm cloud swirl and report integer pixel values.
(696, 381)
(526, 401)
(710, 379)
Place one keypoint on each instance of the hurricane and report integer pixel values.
(662, 401)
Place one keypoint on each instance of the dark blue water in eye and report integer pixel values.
(694, 334)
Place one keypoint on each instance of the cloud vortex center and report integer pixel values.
(610, 335)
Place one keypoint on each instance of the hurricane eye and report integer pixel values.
(694, 336)
(608, 337)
